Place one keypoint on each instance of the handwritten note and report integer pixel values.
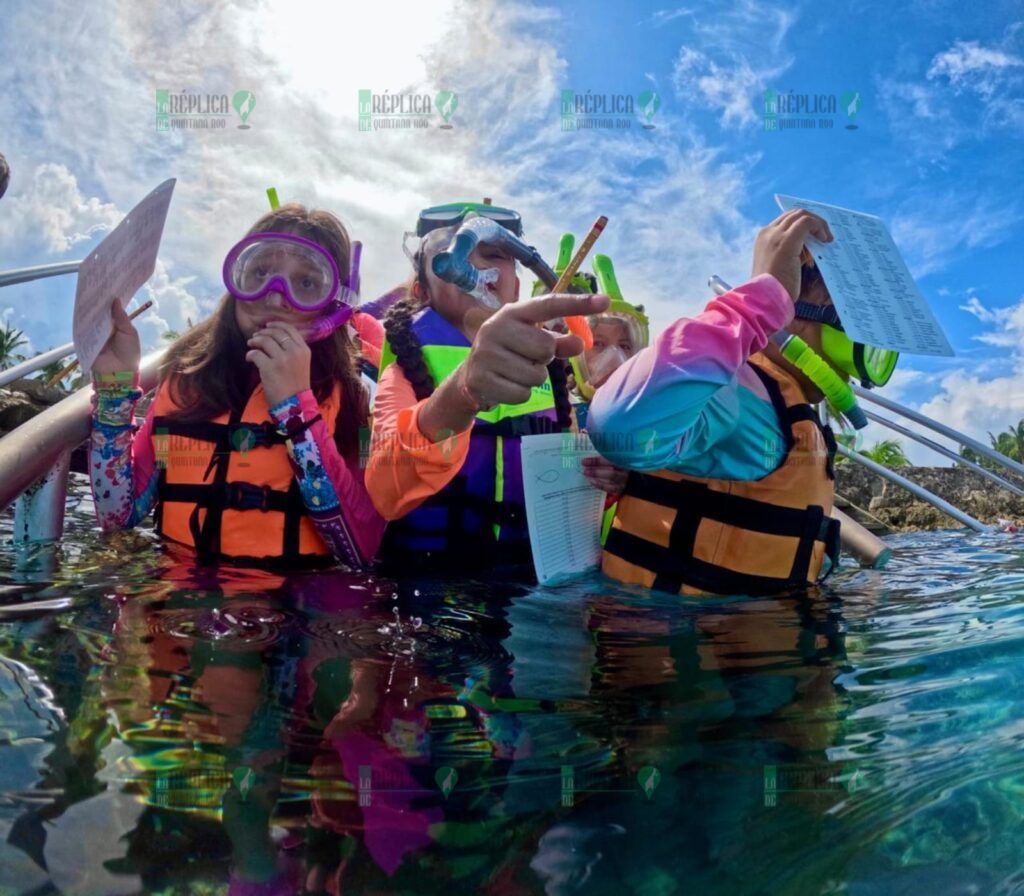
(563, 510)
(115, 270)
(876, 297)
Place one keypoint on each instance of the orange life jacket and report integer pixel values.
(226, 486)
(690, 535)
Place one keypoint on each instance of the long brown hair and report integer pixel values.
(206, 367)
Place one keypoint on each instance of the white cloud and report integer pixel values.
(973, 403)
(173, 304)
(671, 199)
(664, 16)
(968, 91)
(969, 65)
(739, 57)
(932, 229)
(50, 214)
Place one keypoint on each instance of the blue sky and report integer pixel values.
(937, 151)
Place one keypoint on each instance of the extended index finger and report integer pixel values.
(539, 310)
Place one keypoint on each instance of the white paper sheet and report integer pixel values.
(115, 270)
(563, 510)
(876, 297)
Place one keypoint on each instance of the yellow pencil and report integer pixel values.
(578, 326)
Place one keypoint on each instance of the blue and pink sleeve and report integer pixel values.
(689, 402)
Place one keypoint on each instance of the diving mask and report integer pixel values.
(453, 213)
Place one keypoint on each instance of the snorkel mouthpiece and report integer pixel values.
(453, 264)
(341, 311)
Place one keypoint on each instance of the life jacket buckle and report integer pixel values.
(246, 496)
(253, 435)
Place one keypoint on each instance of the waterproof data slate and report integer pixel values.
(877, 299)
(563, 510)
(115, 270)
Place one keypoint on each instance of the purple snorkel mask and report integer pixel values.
(302, 271)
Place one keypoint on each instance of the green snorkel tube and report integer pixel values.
(837, 391)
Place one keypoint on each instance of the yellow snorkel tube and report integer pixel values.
(630, 317)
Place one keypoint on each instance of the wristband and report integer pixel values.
(117, 378)
(478, 404)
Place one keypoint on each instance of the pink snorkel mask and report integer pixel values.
(302, 271)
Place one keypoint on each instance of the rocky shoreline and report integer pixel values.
(890, 507)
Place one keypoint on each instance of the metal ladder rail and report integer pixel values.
(25, 275)
(944, 451)
(915, 489)
(940, 428)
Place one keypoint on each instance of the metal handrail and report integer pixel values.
(944, 451)
(940, 428)
(915, 489)
(30, 451)
(24, 275)
(37, 363)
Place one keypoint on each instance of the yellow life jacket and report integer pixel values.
(689, 535)
(226, 486)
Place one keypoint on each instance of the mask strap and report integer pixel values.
(822, 314)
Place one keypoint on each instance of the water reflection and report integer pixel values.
(173, 727)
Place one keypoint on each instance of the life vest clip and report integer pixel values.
(246, 496)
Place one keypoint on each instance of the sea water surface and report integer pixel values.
(168, 729)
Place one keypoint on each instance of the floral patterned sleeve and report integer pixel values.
(122, 472)
(332, 490)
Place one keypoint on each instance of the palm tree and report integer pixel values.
(10, 339)
(888, 453)
(1009, 443)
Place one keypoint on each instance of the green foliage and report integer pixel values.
(10, 339)
(1009, 443)
(888, 453)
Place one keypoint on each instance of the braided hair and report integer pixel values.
(409, 351)
(406, 346)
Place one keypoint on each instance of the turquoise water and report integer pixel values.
(482, 737)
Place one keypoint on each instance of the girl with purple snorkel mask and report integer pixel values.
(259, 408)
